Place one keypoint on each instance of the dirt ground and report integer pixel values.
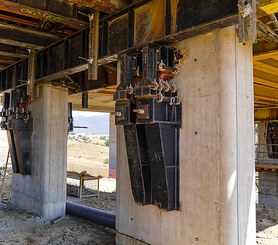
(88, 153)
(267, 225)
(25, 229)
(91, 155)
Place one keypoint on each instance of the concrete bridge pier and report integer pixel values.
(217, 170)
(44, 191)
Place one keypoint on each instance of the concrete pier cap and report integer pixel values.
(217, 167)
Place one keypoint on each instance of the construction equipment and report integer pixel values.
(6, 185)
(17, 120)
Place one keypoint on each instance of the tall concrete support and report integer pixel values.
(44, 191)
(217, 171)
(112, 147)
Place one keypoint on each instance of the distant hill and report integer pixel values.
(97, 124)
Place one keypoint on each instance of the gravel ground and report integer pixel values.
(18, 227)
(267, 225)
(25, 228)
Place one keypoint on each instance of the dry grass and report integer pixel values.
(90, 154)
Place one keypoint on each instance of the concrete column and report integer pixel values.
(112, 147)
(217, 172)
(44, 191)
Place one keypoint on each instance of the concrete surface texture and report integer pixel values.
(217, 172)
(44, 191)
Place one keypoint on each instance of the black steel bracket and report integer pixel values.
(148, 106)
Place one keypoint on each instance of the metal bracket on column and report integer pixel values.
(148, 106)
(93, 46)
(17, 120)
(247, 20)
(136, 145)
(31, 73)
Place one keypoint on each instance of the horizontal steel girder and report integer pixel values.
(141, 23)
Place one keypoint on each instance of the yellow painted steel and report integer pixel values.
(151, 18)
(265, 83)
(268, 114)
(269, 7)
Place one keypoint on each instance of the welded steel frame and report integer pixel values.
(174, 25)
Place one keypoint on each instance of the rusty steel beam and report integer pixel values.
(144, 22)
(63, 74)
(108, 6)
(159, 21)
(27, 36)
(20, 44)
(53, 11)
(13, 55)
(20, 20)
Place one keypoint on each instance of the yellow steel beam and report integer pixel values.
(271, 54)
(266, 68)
(108, 6)
(266, 76)
(264, 82)
(266, 93)
(269, 6)
(270, 114)
(260, 97)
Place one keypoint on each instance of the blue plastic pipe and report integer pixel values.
(92, 214)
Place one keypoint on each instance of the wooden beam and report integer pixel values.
(107, 6)
(25, 35)
(42, 13)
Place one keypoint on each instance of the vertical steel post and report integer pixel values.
(93, 46)
(31, 73)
